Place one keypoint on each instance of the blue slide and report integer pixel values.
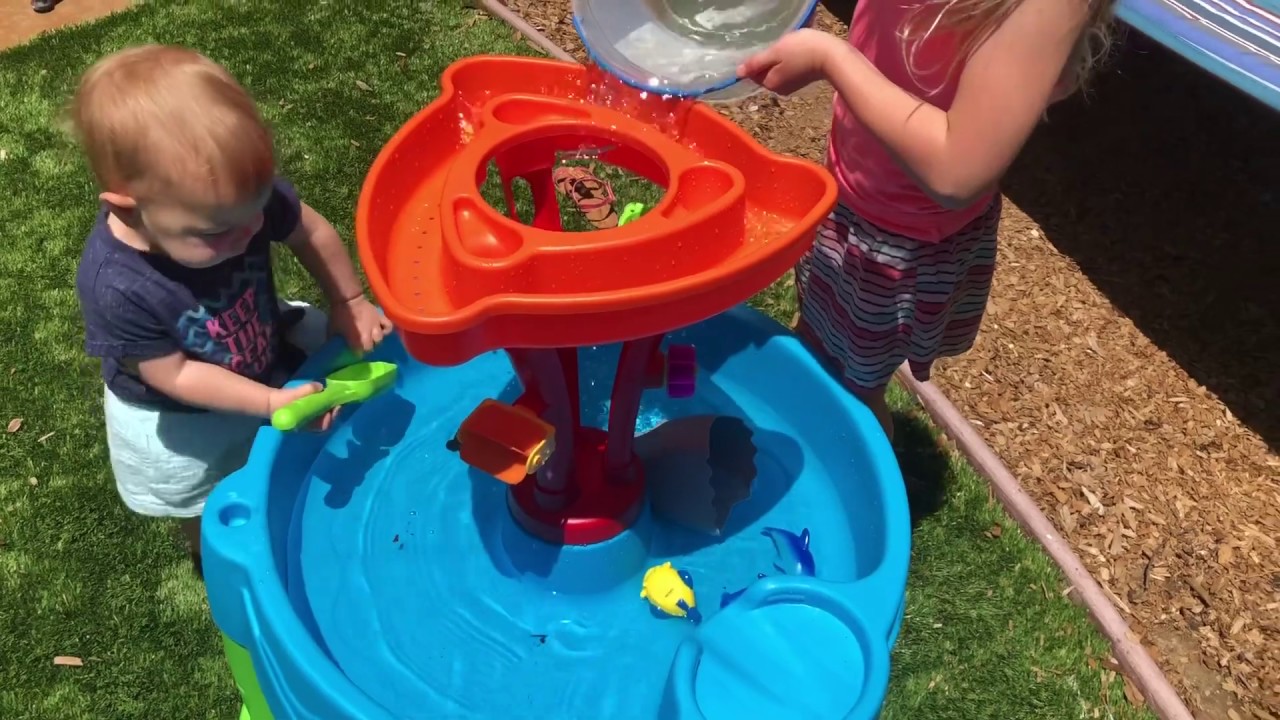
(1236, 40)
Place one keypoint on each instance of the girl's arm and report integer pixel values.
(959, 155)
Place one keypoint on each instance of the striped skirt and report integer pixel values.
(871, 300)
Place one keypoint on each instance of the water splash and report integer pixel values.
(469, 112)
(466, 127)
(666, 113)
(765, 225)
(584, 152)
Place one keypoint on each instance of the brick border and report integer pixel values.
(1133, 658)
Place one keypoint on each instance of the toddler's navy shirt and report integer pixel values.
(140, 305)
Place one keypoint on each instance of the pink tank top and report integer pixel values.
(871, 181)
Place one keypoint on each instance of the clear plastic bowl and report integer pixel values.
(686, 48)
(735, 92)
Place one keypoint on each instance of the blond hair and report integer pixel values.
(163, 121)
(973, 21)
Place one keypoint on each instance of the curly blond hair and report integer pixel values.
(975, 20)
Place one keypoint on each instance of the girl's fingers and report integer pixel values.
(754, 64)
(301, 391)
(775, 81)
(327, 420)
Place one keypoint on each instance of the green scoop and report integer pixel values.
(352, 384)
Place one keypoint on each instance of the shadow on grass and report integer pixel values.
(924, 464)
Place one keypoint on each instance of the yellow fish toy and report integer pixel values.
(670, 593)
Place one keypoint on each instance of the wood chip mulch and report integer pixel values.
(1126, 371)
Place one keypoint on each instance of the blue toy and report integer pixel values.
(670, 593)
(726, 598)
(794, 557)
(369, 573)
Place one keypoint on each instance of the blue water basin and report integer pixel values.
(371, 574)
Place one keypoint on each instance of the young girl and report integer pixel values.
(935, 99)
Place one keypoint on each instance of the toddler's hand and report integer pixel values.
(359, 323)
(794, 62)
(283, 396)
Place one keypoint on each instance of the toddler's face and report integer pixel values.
(200, 237)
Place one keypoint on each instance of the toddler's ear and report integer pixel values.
(120, 203)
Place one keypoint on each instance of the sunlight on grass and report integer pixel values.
(66, 701)
(181, 595)
(987, 632)
(14, 564)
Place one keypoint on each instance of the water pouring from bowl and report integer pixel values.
(684, 48)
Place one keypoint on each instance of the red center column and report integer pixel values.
(591, 489)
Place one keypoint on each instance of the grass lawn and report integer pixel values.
(987, 635)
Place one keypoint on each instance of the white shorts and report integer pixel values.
(166, 462)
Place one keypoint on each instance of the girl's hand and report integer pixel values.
(794, 62)
(359, 323)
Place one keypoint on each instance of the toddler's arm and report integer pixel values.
(958, 155)
(320, 250)
(212, 387)
(322, 253)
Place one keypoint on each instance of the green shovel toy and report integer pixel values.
(352, 384)
(631, 212)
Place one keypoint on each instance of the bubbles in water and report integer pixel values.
(648, 418)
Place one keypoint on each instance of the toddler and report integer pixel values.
(935, 98)
(175, 281)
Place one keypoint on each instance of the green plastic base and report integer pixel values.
(255, 704)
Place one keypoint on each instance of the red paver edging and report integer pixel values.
(1133, 658)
